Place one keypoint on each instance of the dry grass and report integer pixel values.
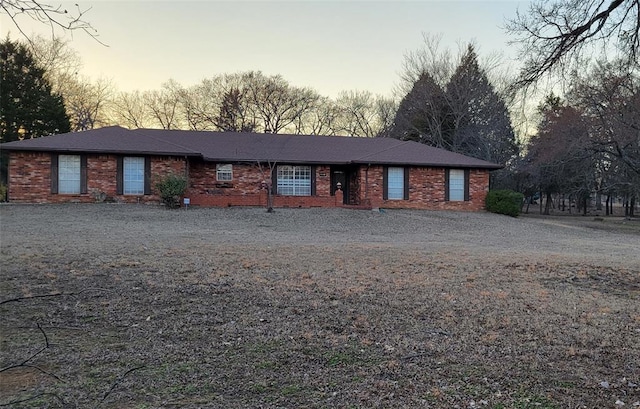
(316, 308)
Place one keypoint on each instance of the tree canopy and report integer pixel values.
(588, 142)
(29, 107)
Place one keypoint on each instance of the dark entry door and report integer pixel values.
(340, 175)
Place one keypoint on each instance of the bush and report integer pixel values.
(3, 192)
(504, 202)
(171, 188)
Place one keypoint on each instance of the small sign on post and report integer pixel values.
(186, 202)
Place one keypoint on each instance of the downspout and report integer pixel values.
(366, 183)
(187, 164)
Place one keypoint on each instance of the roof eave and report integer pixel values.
(430, 164)
(100, 151)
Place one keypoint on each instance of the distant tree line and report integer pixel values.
(587, 143)
(248, 101)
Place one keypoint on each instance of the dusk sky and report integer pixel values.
(330, 46)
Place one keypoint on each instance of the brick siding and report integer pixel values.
(30, 182)
(426, 190)
(30, 179)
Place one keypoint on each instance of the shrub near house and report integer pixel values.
(505, 202)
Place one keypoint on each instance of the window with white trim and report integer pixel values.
(69, 174)
(294, 180)
(395, 183)
(456, 185)
(133, 177)
(224, 172)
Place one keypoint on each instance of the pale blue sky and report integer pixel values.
(327, 45)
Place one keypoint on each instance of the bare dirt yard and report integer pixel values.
(135, 306)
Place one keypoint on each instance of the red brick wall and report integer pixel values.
(426, 189)
(246, 188)
(29, 181)
(30, 178)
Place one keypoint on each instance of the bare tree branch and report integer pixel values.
(32, 398)
(25, 363)
(29, 297)
(557, 35)
(49, 14)
(120, 379)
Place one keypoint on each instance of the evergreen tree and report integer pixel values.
(424, 115)
(28, 108)
(481, 123)
(232, 117)
(467, 117)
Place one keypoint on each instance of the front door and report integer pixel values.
(340, 174)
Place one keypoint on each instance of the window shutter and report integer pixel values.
(446, 185)
(466, 185)
(406, 184)
(313, 180)
(83, 174)
(274, 180)
(385, 183)
(54, 173)
(147, 175)
(119, 176)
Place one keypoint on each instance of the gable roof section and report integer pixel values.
(111, 139)
(251, 147)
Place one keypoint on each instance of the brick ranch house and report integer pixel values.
(233, 169)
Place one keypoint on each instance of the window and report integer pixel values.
(224, 173)
(133, 168)
(395, 187)
(456, 185)
(294, 180)
(69, 174)
(395, 182)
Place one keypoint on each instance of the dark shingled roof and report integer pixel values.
(250, 147)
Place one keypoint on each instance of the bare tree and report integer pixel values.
(610, 97)
(558, 156)
(267, 171)
(55, 16)
(129, 110)
(87, 102)
(364, 114)
(556, 36)
(203, 103)
(429, 59)
(164, 105)
(320, 119)
(277, 103)
(199, 104)
(60, 62)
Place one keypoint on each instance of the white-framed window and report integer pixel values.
(395, 183)
(294, 180)
(224, 172)
(456, 185)
(133, 175)
(69, 174)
